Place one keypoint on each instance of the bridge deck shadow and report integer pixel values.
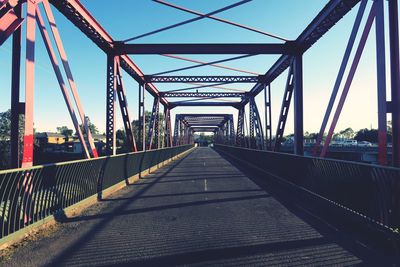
(201, 210)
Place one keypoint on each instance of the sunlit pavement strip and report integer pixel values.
(188, 214)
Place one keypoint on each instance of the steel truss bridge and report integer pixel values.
(305, 193)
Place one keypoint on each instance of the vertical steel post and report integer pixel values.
(298, 105)
(251, 125)
(139, 139)
(167, 130)
(381, 82)
(142, 118)
(240, 127)
(259, 138)
(110, 105)
(226, 132)
(153, 124)
(182, 132)
(123, 104)
(176, 130)
(268, 116)
(27, 157)
(15, 91)
(395, 80)
(231, 131)
(287, 97)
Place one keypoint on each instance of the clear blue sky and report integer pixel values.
(124, 19)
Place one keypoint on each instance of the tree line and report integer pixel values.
(370, 135)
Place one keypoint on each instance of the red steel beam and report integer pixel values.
(60, 80)
(9, 22)
(27, 156)
(71, 81)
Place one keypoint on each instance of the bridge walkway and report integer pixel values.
(200, 210)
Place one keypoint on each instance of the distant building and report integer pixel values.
(48, 138)
(76, 146)
(99, 137)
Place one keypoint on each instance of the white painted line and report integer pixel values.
(205, 184)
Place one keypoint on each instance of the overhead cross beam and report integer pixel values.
(204, 103)
(202, 79)
(202, 94)
(121, 48)
(203, 129)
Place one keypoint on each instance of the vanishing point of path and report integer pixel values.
(199, 210)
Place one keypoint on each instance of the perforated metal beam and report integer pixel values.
(110, 105)
(204, 103)
(202, 79)
(257, 127)
(240, 128)
(287, 97)
(201, 94)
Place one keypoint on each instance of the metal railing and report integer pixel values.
(31, 194)
(368, 191)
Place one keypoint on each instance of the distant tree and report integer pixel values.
(120, 134)
(5, 136)
(347, 133)
(287, 137)
(93, 128)
(121, 141)
(135, 127)
(370, 135)
(308, 135)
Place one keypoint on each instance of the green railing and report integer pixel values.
(32, 194)
(370, 192)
